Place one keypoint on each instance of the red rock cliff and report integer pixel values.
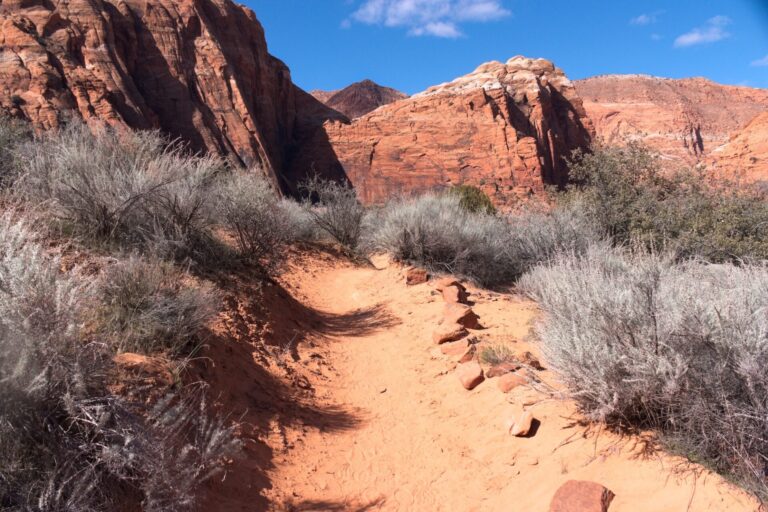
(504, 127)
(197, 69)
(684, 120)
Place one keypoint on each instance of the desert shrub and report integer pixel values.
(13, 132)
(473, 199)
(628, 194)
(645, 342)
(133, 189)
(301, 224)
(145, 307)
(335, 209)
(261, 222)
(436, 232)
(67, 442)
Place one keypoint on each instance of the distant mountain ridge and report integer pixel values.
(359, 98)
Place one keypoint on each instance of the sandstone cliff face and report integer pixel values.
(197, 69)
(745, 155)
(684, 120)
(504, 127)
(359, 98)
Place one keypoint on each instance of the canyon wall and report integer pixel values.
(506, 127)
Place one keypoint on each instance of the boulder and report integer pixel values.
(580, 496)
(447, 332)
(416, 276)
(460, 351)
(470, 374)
(461, 314)
(522, 426)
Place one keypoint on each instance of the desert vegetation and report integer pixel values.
(651, 283)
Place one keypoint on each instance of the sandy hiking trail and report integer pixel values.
(413, 439)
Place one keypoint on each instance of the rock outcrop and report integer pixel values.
(199, 70)
(745, 156)
(359, 99)
(684, 120)
(505, 128)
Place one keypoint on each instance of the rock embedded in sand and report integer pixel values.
(510, 381)
(150, 369)
(461, 314)
(444, 282)
(532, 361)
(455, 348)
(580, 496)
(470, 374)
(448, 332)
(500, 369)
(454, 295)
(416, 276)
(522, 426)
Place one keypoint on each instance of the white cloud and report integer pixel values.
(646, 18)
(713, 31)
(760, 62)
(439, 18)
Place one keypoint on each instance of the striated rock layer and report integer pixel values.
(505, 128)
(359, 98)
(684, 120)
(745, 155)
(197, 69)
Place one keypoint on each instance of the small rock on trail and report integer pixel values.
(470, 374)
(578, 496)
(449, 332)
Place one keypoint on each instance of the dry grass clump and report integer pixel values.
(437, 232)
(645, 342)
(146, 308)
(67, 442)
(497, 354)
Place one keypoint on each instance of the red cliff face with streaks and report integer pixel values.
(505, 128)
(745, 155)
(684, 120)
(197, 69)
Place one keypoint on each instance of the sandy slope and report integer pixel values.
(414, 439)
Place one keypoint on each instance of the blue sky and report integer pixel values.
(412, 44)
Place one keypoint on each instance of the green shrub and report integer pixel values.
(634, 201)
(643, 342)
(473, 199)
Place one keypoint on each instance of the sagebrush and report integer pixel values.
(436, 232)
(68, 443)
(644, 342)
